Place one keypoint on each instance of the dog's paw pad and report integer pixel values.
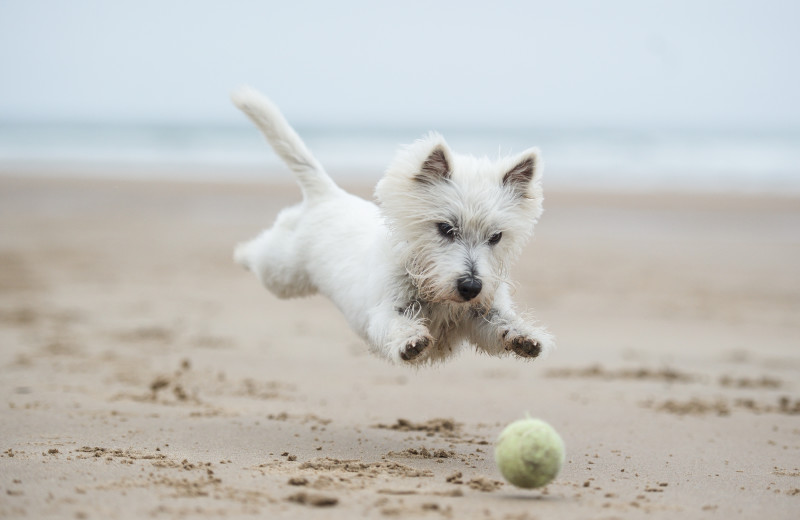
(525, 347)
(414, 348)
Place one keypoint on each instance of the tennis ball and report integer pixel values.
(529, 453)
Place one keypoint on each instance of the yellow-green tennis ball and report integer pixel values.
(529, 453)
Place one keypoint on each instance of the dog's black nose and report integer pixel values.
(469, 288)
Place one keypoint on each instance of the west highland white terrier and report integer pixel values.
(424, 272)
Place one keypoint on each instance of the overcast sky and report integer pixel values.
(605, 63)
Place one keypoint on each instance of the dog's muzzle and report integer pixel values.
(469, 287)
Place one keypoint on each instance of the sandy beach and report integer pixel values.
(144, 375)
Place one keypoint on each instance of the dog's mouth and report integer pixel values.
(451, 297)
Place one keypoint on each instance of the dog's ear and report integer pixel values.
(436, 165)
(524, 174)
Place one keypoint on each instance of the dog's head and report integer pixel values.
(458, 221)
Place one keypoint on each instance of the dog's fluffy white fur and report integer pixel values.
(424, 272)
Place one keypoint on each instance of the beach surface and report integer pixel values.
(144, 375)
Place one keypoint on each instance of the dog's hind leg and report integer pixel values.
(274, 257)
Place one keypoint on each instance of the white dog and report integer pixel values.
(423, 273)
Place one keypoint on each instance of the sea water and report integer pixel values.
(720, 159)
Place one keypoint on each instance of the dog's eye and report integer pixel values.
(495, 238)
(446, 230)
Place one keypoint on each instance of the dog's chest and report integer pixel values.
(447, 325)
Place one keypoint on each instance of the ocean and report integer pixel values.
(584, 158)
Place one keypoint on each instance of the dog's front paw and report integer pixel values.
(415, 348)
(524, 347)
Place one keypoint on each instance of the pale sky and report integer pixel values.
(598, 63)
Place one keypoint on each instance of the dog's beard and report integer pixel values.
(430, 284)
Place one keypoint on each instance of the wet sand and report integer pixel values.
(146, 376)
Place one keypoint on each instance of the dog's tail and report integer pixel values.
(285, 141)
